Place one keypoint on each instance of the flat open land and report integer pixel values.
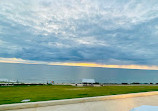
(125, 104)
(14, 94)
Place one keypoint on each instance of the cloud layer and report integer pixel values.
(121, 32)
(84, 64)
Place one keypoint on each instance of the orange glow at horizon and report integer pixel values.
(145, 67)
(82, 64)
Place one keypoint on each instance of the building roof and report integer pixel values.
(88, 81)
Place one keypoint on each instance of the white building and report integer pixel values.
(88, 81)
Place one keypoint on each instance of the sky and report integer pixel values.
(90, 32)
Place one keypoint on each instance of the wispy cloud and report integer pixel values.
(99, 31)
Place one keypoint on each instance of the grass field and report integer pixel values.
(14, 94)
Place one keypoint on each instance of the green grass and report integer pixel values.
(14, 94)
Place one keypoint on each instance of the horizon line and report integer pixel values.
(81, 64)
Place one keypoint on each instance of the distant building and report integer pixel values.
(88, 81)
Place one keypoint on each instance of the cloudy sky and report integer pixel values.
(111, 32)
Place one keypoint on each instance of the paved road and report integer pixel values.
(108, 105)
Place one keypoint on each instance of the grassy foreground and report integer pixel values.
(14, 94)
